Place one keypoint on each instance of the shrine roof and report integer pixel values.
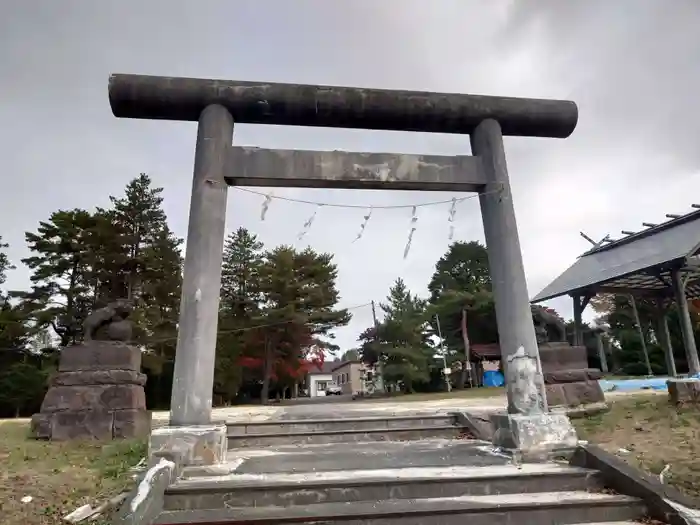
(639, 263)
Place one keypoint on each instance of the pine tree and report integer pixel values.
(4, 264)
(299, 312)
(140, 260)
(139, 221)
(460, 294)
(61, 294)
(239, 305)
(404, 348)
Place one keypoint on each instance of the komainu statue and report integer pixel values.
(567, 377)
(109, 323)
(549, 327)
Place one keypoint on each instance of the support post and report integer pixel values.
(528, 426)
(640, 332)
(601, 352)
(664, 337)
(193, 377)
(691, 350)
(578, 312)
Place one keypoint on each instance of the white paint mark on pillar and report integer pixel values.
(198, 295)
(522, 379)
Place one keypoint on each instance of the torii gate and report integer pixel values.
(217, 104)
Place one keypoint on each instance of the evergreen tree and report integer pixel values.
(460, 294)
(140, 260)
(240, 304)
(298, 312)
(4, 264)
(22, 378)
(139, 221)
(61, 294)
(403, 347)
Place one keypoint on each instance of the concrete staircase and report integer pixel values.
(407, 470)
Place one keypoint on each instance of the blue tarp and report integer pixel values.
(624, 385)
(493, 378)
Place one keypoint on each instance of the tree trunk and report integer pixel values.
(267, 374)
(466, 368)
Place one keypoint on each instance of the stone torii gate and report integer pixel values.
(217, 104)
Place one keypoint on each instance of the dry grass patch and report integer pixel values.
(650, 433)
(59, 477)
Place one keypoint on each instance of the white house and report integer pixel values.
(317, 380)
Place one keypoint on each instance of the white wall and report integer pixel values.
(314, 379)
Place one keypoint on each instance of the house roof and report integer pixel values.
(339, 365)
(490, 351)
(638, 263)
(326, 368)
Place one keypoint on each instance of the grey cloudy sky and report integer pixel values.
(633, 67)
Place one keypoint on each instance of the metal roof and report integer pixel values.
(639, 262)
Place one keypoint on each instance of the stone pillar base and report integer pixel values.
(197, 445)
(534, 437)
(684, 391)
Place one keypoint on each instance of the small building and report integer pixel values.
(319, 378)
(349, 376)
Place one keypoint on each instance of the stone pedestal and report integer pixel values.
(190, 446)
(96, 394)
(684, 391)
(533, 437)
(568, 380)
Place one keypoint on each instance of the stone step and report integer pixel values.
(433, 452)
(278, 426)
(562, 508)
(306, 488)
(344, 436)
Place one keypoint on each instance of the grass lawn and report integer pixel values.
(59, 477)
(655, 433)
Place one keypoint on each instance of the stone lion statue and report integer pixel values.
(109, 323)
(549, 327)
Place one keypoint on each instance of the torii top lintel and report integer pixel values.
(173, 98)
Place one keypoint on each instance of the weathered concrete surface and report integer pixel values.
(307, 488)
(309, 424)
(173, 98)
(96, 394)
(534, 436)
(193, 374)
(343, 436)
(355, 171)
(198, 445)
(324, 409)
(684, 391)
(145, 502)
(501, 509)
(381, 455)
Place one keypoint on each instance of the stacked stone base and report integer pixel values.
(684, 391)
(568, 380)
(96, 394)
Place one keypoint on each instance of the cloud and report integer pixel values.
(632, 66)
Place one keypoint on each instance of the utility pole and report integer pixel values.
(446, 371)
(376, 346)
